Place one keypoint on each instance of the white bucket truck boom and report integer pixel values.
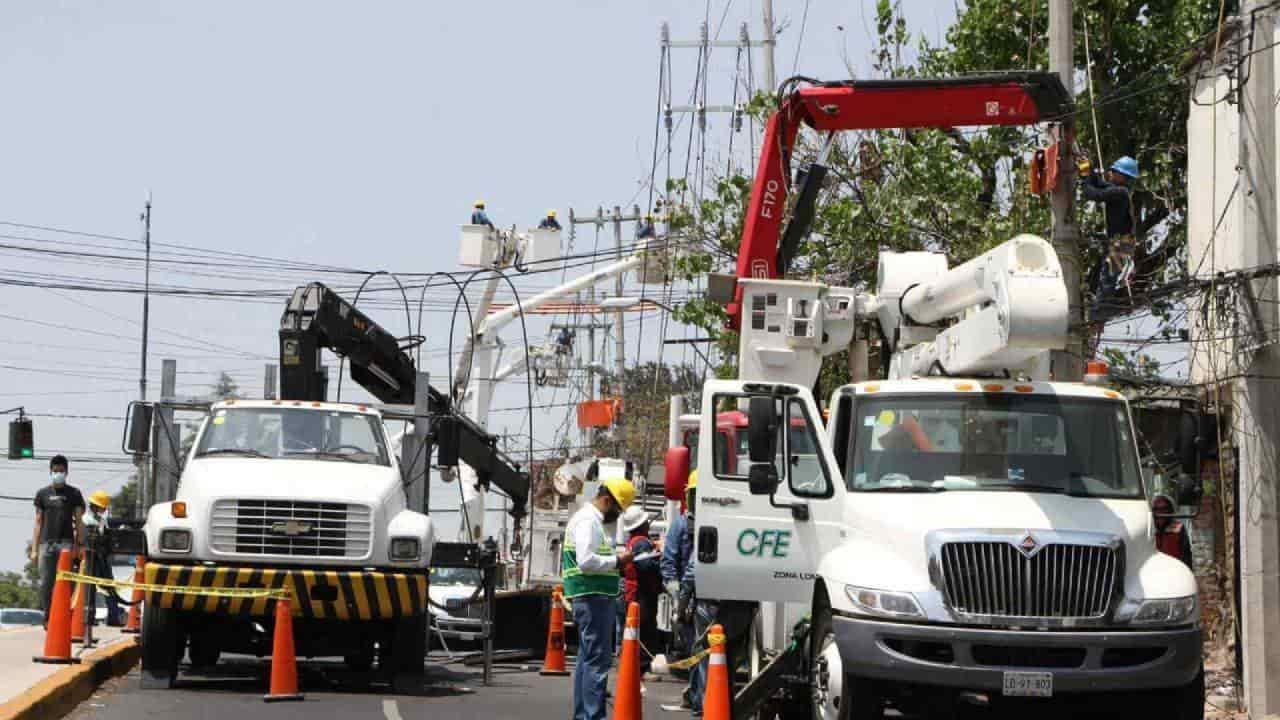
(967, 530)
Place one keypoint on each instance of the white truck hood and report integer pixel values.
(209, 479)
(899, 524)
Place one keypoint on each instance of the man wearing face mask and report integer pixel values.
(592, 582)
(59, 526)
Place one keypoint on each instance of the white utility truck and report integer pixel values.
(967, 530)
(285, 494)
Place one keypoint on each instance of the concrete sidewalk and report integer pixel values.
(17, 647)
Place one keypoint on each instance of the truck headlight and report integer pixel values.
(1167, 611)
(405, 549)
(883, 602)
(175, 540)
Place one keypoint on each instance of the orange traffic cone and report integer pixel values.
(134, 623)
(626, 695)
(78, 596)
(715, 699)
(284, 664)
(553, 660)
(57, 637)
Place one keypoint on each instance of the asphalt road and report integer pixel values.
(233, 691)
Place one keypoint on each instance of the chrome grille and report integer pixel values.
(996, 578)
(290, 527)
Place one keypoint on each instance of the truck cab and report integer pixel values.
(953, 539)
(306, 497)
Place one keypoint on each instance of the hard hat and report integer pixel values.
(551, 213)
(479, 203)
(622, 490)
(634, 517)
(1126, 166)
(100, 498)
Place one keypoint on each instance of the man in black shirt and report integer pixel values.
(59, 526)
(1115, 194)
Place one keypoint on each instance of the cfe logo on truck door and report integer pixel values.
(764, 543)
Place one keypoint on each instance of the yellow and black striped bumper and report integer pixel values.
(321, 594)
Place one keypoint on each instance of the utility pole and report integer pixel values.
(1258, 405)
(269, 382)
(146, 494)
(619, 329)
(165, 441)
(770, 42)
(1068, 365)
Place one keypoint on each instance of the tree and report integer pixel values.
(15, 591)
(226, 388)
(125, 501)
(963, 192)
(646, 389)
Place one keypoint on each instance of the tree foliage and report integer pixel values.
(642, 425)
(961, 192)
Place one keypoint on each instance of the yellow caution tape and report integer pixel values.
(713, 639)
(177, 589)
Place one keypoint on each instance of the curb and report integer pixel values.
(60, 693)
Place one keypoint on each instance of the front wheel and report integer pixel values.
(835, 695)
(162, 646)
(1186, 702)
(407, 653)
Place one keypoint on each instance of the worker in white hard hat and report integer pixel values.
(590, 569)
(478, 216)
(641, 581)
(549, 222)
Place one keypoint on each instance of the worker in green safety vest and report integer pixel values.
(590, 568)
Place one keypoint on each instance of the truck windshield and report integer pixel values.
(993, 442)
(294, 433)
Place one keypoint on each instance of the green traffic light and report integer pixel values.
(27, 452)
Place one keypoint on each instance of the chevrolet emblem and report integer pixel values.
(291, 528)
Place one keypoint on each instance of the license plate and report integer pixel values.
(1028, 684)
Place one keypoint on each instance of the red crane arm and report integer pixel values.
(979, 100)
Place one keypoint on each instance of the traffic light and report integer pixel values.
(22, 442)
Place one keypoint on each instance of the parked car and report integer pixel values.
(19, 617)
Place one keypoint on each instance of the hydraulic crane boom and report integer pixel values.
(977, 100)
(317, 318)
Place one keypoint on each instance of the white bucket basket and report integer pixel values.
(479, 247)
(541, 245)
(655, 270)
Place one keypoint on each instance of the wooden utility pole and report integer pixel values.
(1258, 392)
(1069, 364)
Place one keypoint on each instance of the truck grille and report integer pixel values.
(289, 527)
(1056, 581)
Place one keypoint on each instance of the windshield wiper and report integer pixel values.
(904, 489)
(325, 453)
(1031, 487)
(233, 451)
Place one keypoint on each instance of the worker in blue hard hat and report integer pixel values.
(1115, 193)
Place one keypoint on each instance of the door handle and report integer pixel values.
(708, 541)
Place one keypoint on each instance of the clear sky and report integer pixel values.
(336, 134)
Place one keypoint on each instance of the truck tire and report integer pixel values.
(203, 649)
(1186, 702)
(408, 653)
(836, 695)
(162, 645)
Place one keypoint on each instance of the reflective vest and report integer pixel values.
(576, 582)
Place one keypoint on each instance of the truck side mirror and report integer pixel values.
(1189, 443)
(762, 430)
(676, 476)
(763, 478)
(137, 432)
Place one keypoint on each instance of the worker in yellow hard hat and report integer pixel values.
(99, 563)
(676, 568)
(478, 216)
(549, 222)
(590, 568)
